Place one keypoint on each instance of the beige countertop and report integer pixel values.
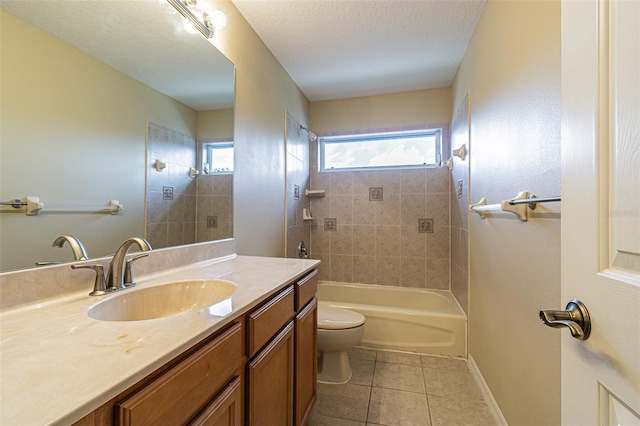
(57, 364)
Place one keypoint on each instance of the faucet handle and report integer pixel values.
(128, 272)
(99, 286)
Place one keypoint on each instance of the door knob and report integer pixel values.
(575, 316)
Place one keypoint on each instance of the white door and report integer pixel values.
(601, 209)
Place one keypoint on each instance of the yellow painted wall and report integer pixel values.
(379, 112)
(264, 91)
(73, 132)
(512, 73)
(215, 124)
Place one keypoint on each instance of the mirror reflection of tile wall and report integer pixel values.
(181, 209)
(214, 218)
(171, 193)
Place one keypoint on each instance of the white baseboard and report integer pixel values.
(486, 393)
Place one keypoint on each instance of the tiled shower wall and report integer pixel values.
(297, 176)
(460, 207)
(378, 242)
(171, 221)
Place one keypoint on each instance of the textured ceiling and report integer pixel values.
(351, 48)
(143, 39)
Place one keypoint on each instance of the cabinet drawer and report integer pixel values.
(180, 393)
(266, 321)
(306, 289)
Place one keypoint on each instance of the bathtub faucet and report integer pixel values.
(302, 251)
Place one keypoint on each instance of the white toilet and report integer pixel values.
(338, 331)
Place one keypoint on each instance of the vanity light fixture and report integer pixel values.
(198, 17)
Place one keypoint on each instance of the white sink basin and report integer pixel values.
(162, 300)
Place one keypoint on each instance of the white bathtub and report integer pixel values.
(406, 319)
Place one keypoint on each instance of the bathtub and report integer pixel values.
(406, 319)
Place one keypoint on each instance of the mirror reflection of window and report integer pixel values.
(218, 158)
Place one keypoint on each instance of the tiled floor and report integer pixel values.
(403, 389)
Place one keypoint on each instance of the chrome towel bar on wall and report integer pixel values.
(519, 205)
(33, 206)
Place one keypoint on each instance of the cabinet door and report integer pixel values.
(270, 382)
(181, 392)
(306, 361)
(225, 409)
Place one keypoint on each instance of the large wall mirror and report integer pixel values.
(110, 100)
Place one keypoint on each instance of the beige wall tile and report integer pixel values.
(342, 209)
(364, 240)
(320, 240)
(388, 271)
(388, 210)
(341, 183)
(342, 268)
(388, 241)
(438, 274)
(438, 180)
(413, 272)
(438, 243)
(393, 252)
(342, 240)
(324, 271)
(364, 269)
(412, 208)
(437, 206)
(362, 181)
(364, 211)
(413, 181)
(390, 180)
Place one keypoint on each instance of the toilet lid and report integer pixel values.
(332, 318)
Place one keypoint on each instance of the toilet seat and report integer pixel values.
(332, 318)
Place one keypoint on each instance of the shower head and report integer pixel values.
(312, 136)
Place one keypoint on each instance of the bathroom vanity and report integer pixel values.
(251, 362)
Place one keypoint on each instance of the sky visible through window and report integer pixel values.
(218, 158)
(380, 151)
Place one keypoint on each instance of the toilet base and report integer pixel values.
(334, 367)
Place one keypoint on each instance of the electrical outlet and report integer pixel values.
(167, 192)
(460, 185)
(425, 226)
(330, 224)
(212, 221)
(296, 192)
(375, 194)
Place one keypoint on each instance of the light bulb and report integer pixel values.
(188, 27)
(218, 19)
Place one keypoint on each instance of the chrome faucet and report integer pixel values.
(116, 274)
(79, 253)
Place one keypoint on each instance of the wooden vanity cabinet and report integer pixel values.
(306, 346)
(281, 374)
(270, 350)
(203, 386)
(259, 370)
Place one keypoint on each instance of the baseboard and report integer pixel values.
(486, 393)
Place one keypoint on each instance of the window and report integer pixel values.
(218, 158)
(381, 150)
